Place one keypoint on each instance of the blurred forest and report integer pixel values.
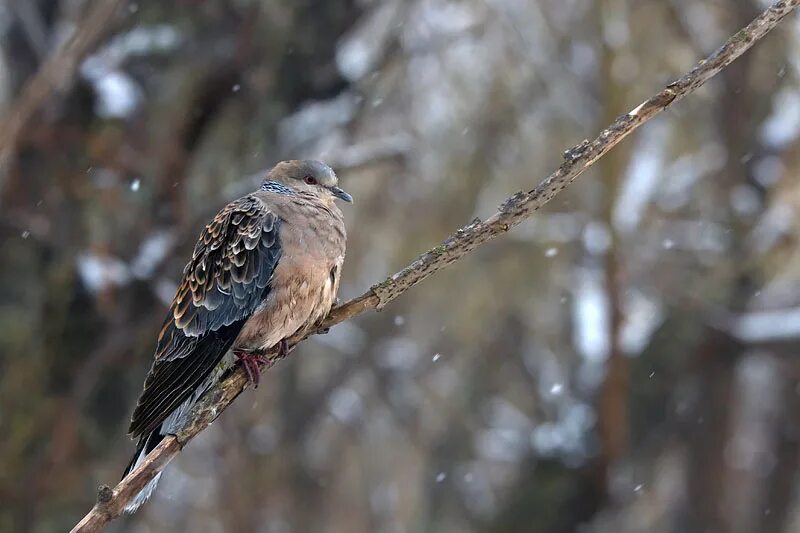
(626, 361)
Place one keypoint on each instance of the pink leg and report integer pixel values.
(283, 349)
(251, 361)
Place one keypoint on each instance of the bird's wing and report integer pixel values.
(227, 278)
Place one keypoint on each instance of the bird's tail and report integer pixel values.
(170, 426)
(145, 445)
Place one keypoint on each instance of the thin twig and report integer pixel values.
(513, 211)
(56, 72)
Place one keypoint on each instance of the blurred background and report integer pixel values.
(626, 361)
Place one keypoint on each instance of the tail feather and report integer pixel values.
(170, 426)
(145, 445)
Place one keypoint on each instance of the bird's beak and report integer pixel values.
(339, 193)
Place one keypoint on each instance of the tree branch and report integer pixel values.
(56, 72)
(513, 211)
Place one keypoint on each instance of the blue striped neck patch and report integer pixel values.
(280, 188)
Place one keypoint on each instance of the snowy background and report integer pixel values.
(626, 361)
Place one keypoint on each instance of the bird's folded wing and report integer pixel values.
(227, 278)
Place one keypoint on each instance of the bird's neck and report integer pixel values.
(325, 203)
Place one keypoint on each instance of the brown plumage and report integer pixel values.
(265, 268)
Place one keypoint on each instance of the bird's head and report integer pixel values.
(310, 176)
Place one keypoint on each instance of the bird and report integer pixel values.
(265, 268)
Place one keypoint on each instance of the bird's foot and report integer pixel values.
(251, 362)
(283, 349)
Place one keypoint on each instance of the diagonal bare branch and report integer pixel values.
(57, 71)
(513, 211)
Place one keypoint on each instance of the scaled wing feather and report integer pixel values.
(226, 280)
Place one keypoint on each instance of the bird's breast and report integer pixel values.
(302, 290)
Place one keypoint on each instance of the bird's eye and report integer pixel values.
(311, 180)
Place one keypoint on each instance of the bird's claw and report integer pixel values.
(251, 362)
(283, 348)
